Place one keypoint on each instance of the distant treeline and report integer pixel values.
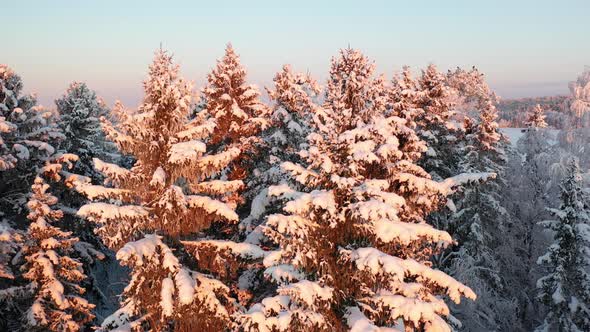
(513, 112)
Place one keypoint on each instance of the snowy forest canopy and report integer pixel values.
(363, 204)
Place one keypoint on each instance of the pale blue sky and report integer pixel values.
(526, 48)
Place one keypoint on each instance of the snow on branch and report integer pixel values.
(358, 322)
(377, 262)
(184, 152)
(299, 173)
(197, 130)
(307, 292)
(105, 212)
(145, 250)
(244, 250)
(116, 223)
(296, 304)
(452, 184)
(93, 192)
(291, 225)
(414, 310)
(283, 273)
(217, 186)
(404, 233)
(115, 174)
(212, 206)
(214, 163)
(316, 199)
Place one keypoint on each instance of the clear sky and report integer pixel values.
(526, 48)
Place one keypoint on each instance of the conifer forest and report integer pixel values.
(411, 200)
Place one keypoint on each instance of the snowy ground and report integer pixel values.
(514, 134)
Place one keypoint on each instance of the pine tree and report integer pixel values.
(286, 135)
(80, 111)
(529, 173)
(468, 87)
(13, 294)
(404, 96)
(478, 224)
(565, 290)
(28, 136)
(354, 247)
(535, 150)
(56, 277)
(536, 118)
(238, 112)
(441, 159)
(9, 243)
(168, 196)
(293, 96)
(7, 159)
(467, 94)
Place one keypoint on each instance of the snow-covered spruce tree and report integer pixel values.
(354, 246)
(434, 127)
(478, 224)
(28, 136)
(165, 197)
(565, 290)
(536, 118)
(467, 94)
(470, 93)
(80, 111)
(403, 98)
(293, 97)
(55, 276)
(13, 294)
(7, 159)
(286, 135)
(532, 188)
(575, 141)
(8, 243)
(9, 239)
(534, 148)
(238, 112)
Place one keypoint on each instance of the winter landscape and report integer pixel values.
(413, 198)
